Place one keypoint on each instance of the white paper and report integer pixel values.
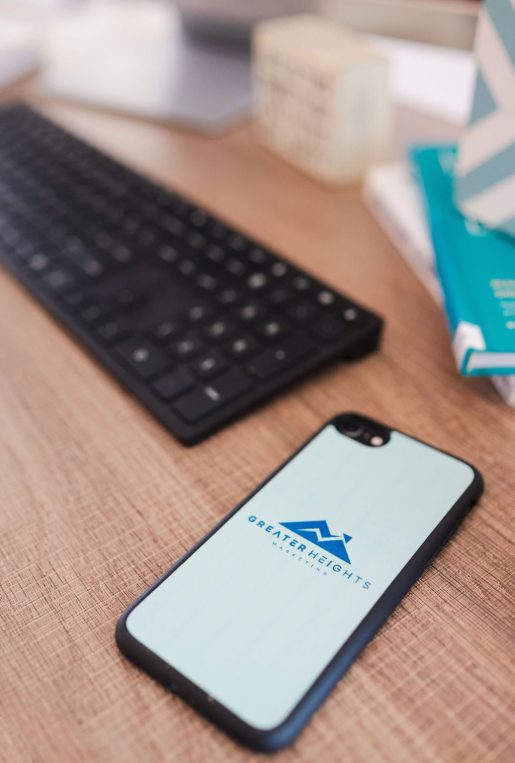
(430, 78)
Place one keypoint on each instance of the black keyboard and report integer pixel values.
(196, 319)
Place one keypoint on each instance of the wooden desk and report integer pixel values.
(98, 500)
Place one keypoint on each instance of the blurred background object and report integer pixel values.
(450, 23)
(234, 19)
(321, 96)
(189, 61)
(449, 208)
(19, 52)
(392, 195)
(485, 173)
(430, 79)
(148, 58)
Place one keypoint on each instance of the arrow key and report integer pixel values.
(283, 356)
(204, 400)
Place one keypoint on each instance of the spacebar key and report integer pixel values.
(206, 399)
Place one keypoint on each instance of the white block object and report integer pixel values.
(320, 96)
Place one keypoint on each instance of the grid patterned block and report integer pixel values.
(321, 96)
(485, 182)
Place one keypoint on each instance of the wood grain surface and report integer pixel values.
(98, 500)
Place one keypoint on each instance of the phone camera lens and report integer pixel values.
(352, 427)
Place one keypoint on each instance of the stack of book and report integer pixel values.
(466, 267)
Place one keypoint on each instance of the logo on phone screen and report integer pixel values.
(317, 532)
(315, 545)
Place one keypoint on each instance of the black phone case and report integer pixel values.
(271, 740)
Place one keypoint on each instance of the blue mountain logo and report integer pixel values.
(317, 531)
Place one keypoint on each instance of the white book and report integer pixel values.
(391, 193)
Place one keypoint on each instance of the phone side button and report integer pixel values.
(178, 693)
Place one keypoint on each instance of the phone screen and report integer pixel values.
(257, 612)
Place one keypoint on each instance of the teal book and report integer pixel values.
(476, 268)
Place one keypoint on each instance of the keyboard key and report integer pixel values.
(217, 229)
(126, 300)
(279, 269)
(38, 263)
(24, 249)
(237, 242)
(93, 313)
(88, 265)
(257, 281)
(210, 365)
(350, 314)
(301, 283)
(329, 329)
(326, 297)
(242, 346)
(103, 240)
(229, 297)
(272, 330)
(166, 330)
(168, 254)
(198, 313)
(198, 218)
(113, 331)
(76, 300)
(258, 256)
(147, 237)
(207, 282)
(218, 330)
(280, 296)
(250, 311)
(275, 360)
(59, 280)
(196, 240)
(174, 225)
(204, 400)
(303, 312)
(232, 384)
(215, 253)
(173, 384)
(187, 267)
(236, 267)
(11, 236)
(186, 348)
(146, 360)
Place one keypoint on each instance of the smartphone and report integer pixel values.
(259, 621)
